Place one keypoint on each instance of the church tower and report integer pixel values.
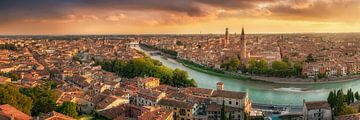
(243, 52)
(226, 40)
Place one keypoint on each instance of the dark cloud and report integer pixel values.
(317, 10)
(22, 9)
(16, 10)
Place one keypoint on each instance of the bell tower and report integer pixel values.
(243, 52)
(226, 40)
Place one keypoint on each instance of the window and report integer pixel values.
(182, 112)
(237, 103)
(230, 102)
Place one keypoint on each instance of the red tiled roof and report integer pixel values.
(10, 111)
(317, 105)
(159, 114)
(55, 116)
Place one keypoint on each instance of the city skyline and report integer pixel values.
(178, 17)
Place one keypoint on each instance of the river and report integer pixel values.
(265, 92)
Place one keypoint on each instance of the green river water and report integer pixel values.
(264, 92)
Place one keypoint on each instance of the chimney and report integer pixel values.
(220, 85)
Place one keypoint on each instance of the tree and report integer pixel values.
(285, 59)
(179, 43)
(349, 97)
(234, 64)
(179, 77)
(225, 66)
(12, 76)
(165, 74)
(230, 116)
(222, 112)
(8, 46)
(331, 99)
(43, 99)
(310, 58)
(339, 102)
(77, 59)
(119, 66)
(263, 65)
(357, 96)
(146, 66)
(258, 66)
(297, 69)
(11, 95)
(279, 65)
(347, 110)
(68, 108)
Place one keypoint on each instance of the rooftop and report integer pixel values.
(9, 111)
(229, 94)
(312, 105)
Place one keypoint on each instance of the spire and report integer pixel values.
(242, 31)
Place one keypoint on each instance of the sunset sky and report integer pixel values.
(177, 16)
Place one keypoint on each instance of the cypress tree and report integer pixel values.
(222, 113)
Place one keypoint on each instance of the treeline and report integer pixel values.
(282, 68)
(340, 102)
(12, 96)
(8, 46)
(167, 51)
(277, 68)
(233, 65)
(13, 77)
(188, 62)
(142, 67)
(35, 101)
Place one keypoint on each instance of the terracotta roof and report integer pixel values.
(10, 111)
(167, 89)
(197, 91)
(55, 116)
(106, 102)
(149, 94)
(317, 105)
(117, 111)
(175, 103)
(98, 98)
(159, 114)
(229, 94)
(355, 116)
(4, 79)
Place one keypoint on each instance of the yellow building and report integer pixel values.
(149, 82)
(182, 110)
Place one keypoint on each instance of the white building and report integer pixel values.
(148, 97)
(317, 110)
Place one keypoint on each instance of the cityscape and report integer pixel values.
(180, 60)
